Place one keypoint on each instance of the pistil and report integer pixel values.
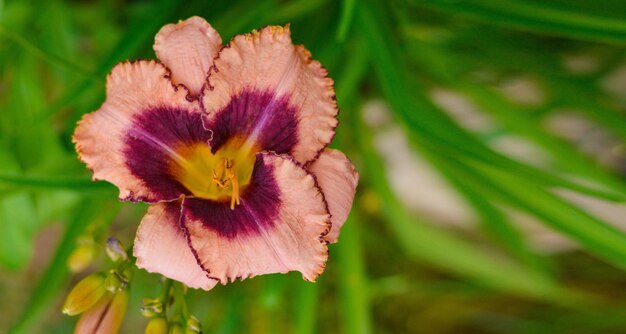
(225, 176)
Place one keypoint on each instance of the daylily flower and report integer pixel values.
(228, 144)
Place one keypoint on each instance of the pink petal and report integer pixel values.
(266, 63)
(100, 138)
(244, 244)
(338, 179)
(187, 48)
(161, 247)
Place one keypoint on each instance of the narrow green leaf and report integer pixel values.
(493, 219)
(139, 33)
(46, 56)
(80, 185)
(589, 20)
(355, 301)
(441, 249)
(307, 299)
(593, 234)
(427, 125)
(347, 12)
(18, 218)
(295, 10)
(354, 291)
(566, 156)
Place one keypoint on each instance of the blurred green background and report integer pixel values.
(490, 137)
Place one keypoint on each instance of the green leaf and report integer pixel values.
(347, 12)
(18, 221)
(436, 133)
(593, 234)
(355, 298)
(85, 185)
(307, 299)
(429, 127)
(46, 56)
(18, 218)
(566, 156)
(139, 33)
(493, 219)
(580, 19)
(442, 249)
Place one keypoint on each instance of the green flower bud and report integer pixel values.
(115, 250)
(151, 307)
(176, 328)
(115, 282)
(193, 325)
(84, 295)
(157, 325)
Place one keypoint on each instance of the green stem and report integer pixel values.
(180, 302)
(307, 301)
(354, 297)
(165, 295)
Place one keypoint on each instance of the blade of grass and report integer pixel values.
(493, 219)
(568, 158)
(355, 309)
(295, 10)
(443, 250)
(46, 56)
(307, 301)
(593, 234)
(241, 17)
(354, 292)
(546, 17)
(271, 298)
(75, 184)
(347, 12)
(528, 56)
(18, 220)
(18, 217)
(138, 34)
(421, 241)
(424, 122)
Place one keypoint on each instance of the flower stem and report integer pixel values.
(165, 294)
(181, 301)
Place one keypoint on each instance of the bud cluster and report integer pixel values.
(165, 319)
(101, 298)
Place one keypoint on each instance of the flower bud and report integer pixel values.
(193, 325)
(115, 282)
(84, 295)
(151, 307)
(115, 250)
(157, 325)
(81, 257)
(106, 316)
(176, 328)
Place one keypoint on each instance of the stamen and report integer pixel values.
(224, 176)
(232, 175)
(220, 176)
